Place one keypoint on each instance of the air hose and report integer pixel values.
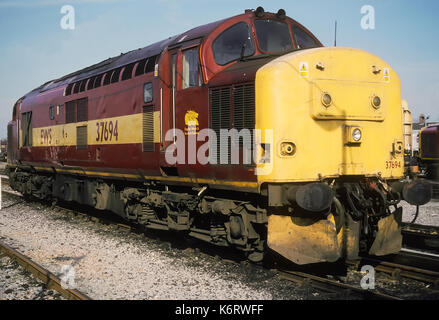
(416, 214)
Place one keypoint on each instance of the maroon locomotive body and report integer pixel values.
(99, 136)
(176, 76)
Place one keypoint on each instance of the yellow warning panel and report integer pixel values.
(303, 70)
(386, 75)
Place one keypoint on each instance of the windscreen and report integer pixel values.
(273, 36)
(303, 39)
(233, 43)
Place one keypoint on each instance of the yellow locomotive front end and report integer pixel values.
(331, 154)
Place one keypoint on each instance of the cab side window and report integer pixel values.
(26, 119)
(190, 70)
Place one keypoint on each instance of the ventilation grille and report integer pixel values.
(220, 119)
(81, 137)
(82, 110)
(244, 112)
(70, 112)
(148, 129)
(232, 107)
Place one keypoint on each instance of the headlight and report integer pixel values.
(287, 149)
(356, 134)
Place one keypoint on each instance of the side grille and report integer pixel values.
(70, 112)
(81, 137)
(244, 116)
(148, 129)
(220, 119)
(232, 107)
(82, 110)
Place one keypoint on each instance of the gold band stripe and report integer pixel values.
(116, 130)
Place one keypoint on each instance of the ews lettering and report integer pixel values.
(46, 136)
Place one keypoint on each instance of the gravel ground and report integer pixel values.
(428, 214)
(110, 263)
(18, 284)
(114, 264)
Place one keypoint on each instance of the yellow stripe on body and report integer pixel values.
(116, 130)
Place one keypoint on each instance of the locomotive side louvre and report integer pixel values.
(81, 137)
(220, 117)
(233, 107)
(148, 129)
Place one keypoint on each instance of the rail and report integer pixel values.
(51, 281)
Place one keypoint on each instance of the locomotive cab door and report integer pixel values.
(191, 110)
(167, 109)
(184, 105)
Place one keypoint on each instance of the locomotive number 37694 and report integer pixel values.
(393, 164)
(106, 131)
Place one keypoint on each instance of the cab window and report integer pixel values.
(233, 43)
(303, 39)
(273, 36)
(191, 74)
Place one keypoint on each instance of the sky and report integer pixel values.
(34, 48)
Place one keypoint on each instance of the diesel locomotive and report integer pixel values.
(428, 157)
(244, 132)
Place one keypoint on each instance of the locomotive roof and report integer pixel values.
(129, 57)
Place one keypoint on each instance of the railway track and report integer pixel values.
(51, 281)
(421, 237)
(407, 264)
(421, 270)
(339, 289)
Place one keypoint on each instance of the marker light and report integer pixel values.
(326, 99)
(376, 102)
(259, 12)
(356, 135)
(281, 14)
(287, 149)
